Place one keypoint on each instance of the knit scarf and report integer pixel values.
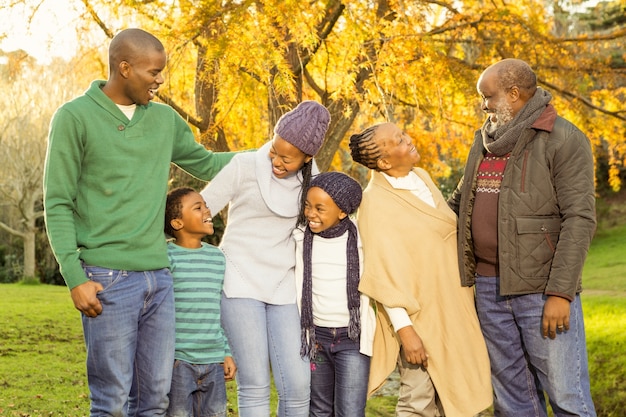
(352, 285)
(507, 135)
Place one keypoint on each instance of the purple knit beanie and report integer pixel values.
(342, 188)
(305, 126)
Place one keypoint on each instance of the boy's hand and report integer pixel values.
(412, 346)
(229, 368)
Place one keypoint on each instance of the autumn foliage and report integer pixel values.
(236, 65)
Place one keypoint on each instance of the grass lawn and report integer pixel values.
(605, 321)
(42, 371)
(605, 268)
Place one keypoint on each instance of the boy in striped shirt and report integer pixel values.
(202, 360)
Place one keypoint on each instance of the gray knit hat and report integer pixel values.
(305, 126)
(342, 188)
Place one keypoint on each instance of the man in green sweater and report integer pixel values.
(105, 183)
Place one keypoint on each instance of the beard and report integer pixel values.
(503, 114)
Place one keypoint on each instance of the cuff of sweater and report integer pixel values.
(399, 317)
(560, 294)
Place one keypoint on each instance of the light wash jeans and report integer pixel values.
(261, 334)
(524, 364)
(339, 375)
(197, 390)
(131, 344)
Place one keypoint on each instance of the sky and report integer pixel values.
(51, 33)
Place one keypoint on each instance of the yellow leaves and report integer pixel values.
(614, 176)
(234, 65)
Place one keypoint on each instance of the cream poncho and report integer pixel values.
(409, 254)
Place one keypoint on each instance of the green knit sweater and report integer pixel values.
(105, 182)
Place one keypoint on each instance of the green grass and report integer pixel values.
(42, 371)
(605, 321)
(605, 269)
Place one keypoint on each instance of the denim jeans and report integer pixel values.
(131, 343)
(524, 364)
(339, 375)
(197, 390)
(261, 334)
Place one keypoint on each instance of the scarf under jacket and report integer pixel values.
(505, 137)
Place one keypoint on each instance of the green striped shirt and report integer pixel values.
(198, 279)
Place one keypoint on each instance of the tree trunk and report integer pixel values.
(29, 253)
(339, 125)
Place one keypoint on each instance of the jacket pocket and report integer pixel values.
(536, 240)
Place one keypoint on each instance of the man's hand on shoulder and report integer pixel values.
(85, 298)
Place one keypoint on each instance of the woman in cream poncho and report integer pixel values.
(426, 322)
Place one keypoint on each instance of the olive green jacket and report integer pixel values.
(546, 212)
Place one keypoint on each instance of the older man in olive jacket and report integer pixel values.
(526, 210)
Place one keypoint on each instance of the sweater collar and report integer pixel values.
(96, 94)
(546, 119)
(280, 195)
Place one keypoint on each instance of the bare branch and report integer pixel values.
(11, 230)
(188, 117)
(311, 82)
(325, 27)
(444, 5)
(99, 21)
(584, 100)
(443, 29)
(607, 37)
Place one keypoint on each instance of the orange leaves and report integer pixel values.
(235, 66)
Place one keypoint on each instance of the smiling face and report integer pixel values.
(286, 159)
(143, 76)
(321, 211)
(500, 103)
(195, 221)
(399, 154)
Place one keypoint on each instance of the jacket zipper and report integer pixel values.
(523, 184)
(548, 240)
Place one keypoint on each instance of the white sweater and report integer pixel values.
(329, 298)
(260, 254)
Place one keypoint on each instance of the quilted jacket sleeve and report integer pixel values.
(573, 181)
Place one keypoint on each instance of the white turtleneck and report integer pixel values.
(413, 183)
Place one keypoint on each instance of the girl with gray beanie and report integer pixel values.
(337, 321)
(259, 314)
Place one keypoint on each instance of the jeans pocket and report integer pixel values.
(105, 276)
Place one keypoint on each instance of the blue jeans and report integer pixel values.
(197, 390)
(131, 344)
(524, 364)
(261, 334)
(339, 375)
